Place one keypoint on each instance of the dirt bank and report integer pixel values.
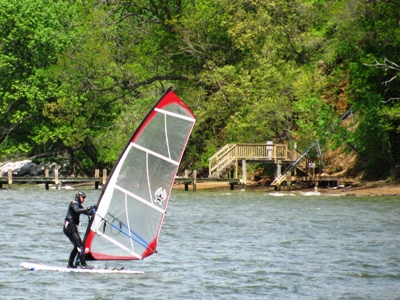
(379, 188)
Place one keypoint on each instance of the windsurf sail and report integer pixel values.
(132, 205)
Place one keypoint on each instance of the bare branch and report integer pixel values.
(391, 99)
(386, 83)
(387, 65)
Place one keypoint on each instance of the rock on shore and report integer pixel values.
(27, 168)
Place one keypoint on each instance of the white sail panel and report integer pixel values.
(133, 203)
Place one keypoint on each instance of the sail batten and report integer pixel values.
(126, 249)
(144, 201)
(166, 136)
(175, 115)
(148, 178)
(132, 206)
(156, 154)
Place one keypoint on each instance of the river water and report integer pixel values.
(216, 244)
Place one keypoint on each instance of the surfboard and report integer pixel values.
(39, 267)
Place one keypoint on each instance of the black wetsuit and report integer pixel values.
(71, 223)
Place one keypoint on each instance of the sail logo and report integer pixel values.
(161, 195)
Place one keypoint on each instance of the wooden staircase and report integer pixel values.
(282, 177)
(223, 161)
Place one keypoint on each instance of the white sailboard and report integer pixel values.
(133, 202)
(39, 267)
(131, 208)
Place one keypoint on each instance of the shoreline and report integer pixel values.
(373, 188)
(364, 189)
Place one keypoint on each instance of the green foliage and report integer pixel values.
(32, 34)
(78, 76)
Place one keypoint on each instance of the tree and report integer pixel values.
(77, 75)
(32, 34)
(110, 77)
(377, 136)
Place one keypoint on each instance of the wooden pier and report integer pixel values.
(97, 180)
(55, 180)
(186, 180)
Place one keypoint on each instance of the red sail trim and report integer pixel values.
(169, 98)
(88, 241)
(151, 248)
(89, 255)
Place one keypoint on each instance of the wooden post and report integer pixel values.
(244, 171)
(10, 179)
(96, 175)
(46, 174)
(288, 181)
(236, 168)
(194, 175)
(270, 149)
(313, 176)
(278, 173)
(278, 168)
(186, 183)
(56, 181)
(104, 177)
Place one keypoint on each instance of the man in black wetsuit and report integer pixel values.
(71, 223)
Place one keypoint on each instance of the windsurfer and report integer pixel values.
(70, 229)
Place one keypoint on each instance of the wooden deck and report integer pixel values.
(225, 163)
(229, 157)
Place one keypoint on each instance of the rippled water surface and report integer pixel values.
(216, 244)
